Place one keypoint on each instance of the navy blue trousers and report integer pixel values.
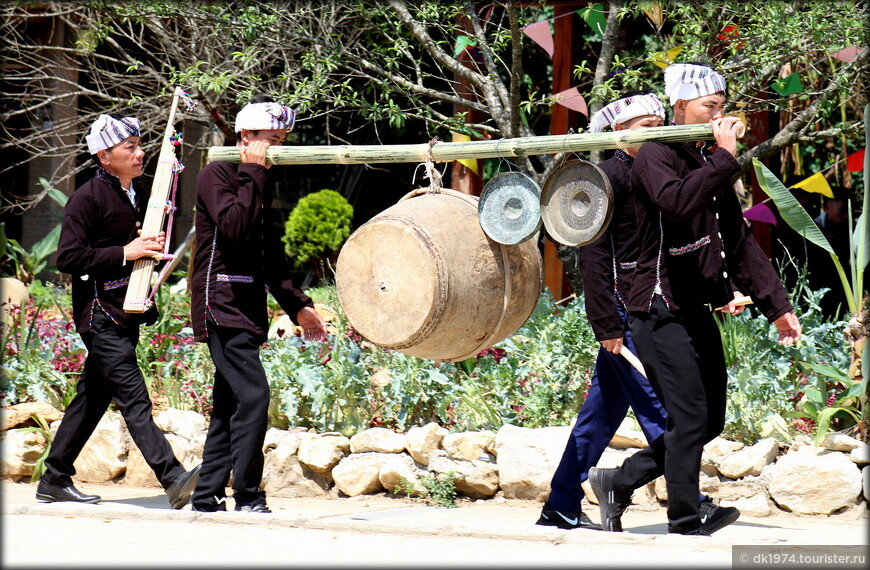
(615, 386)
(111, 373)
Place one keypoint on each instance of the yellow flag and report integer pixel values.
(469, 163)
(664, 59)
(816, 183)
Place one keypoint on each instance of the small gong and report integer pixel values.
(510, 208)
(576, 203)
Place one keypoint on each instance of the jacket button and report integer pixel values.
(138, 224)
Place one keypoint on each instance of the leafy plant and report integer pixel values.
(317, 226)
(44, 430)
(437, 489)
(26, 264)
(800, 221)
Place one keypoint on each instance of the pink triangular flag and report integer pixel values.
(760, 213)
(846, 54)
(541, 35)
(572, 99)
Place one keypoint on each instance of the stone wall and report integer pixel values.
(514, 462)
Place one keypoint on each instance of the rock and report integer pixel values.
(104, 457)
(628, 435)
(139, 473)
(474, 479)
(742, 489)
(283, 474)
(467, 445)
(322, 452)
(754, 506)
(813, 481)
(841, 442)
(860, 455)
(400, 470)
(185, 431)
(775, 427)
(709, 464)
(720, 447)
(22, 414)
(709, 485)
(380, 379)
(420, 441)
(21, 450)
(184, 423)
(378, 439)
(13, 293)
(359, 474)
(527, 459)
(751, 460)
(865, 475)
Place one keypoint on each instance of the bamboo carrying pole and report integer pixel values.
(136, 300)
(444, 151)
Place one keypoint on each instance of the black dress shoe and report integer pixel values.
(254, 508)
(56, 494)
(182, 488)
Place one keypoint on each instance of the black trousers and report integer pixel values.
(684, 360)
(239, 420)
(111, 373)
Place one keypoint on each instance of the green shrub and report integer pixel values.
(317, 226)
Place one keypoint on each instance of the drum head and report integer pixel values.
(576, 203)
(510, 208)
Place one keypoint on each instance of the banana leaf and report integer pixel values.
(800, 221)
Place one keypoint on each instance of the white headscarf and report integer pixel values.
(625, 109)
(107, 131)
(688, 81)
(265, 117)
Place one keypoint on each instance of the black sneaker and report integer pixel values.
(254, 508)
(696, 532)
(714, 517)
(610, 503)
(552, 517)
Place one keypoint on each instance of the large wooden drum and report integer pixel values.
(423, 278)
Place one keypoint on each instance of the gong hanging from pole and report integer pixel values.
(576, 203)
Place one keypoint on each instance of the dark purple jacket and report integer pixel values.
(616, 247)
(239, 254)
(700, 248)
(98, 222)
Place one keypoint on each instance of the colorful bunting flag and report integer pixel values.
(855, 161)
(469, 163)
(788, 85)
(541, 34)
(664, 59)
(572, 99)
(760, 213)
(595, 18)
(846, 54)
(463, 43)
(816, 183)
(654, 13)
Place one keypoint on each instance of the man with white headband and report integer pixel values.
(695, 255)
(99, 240)
(606, 269)
(239, 256)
